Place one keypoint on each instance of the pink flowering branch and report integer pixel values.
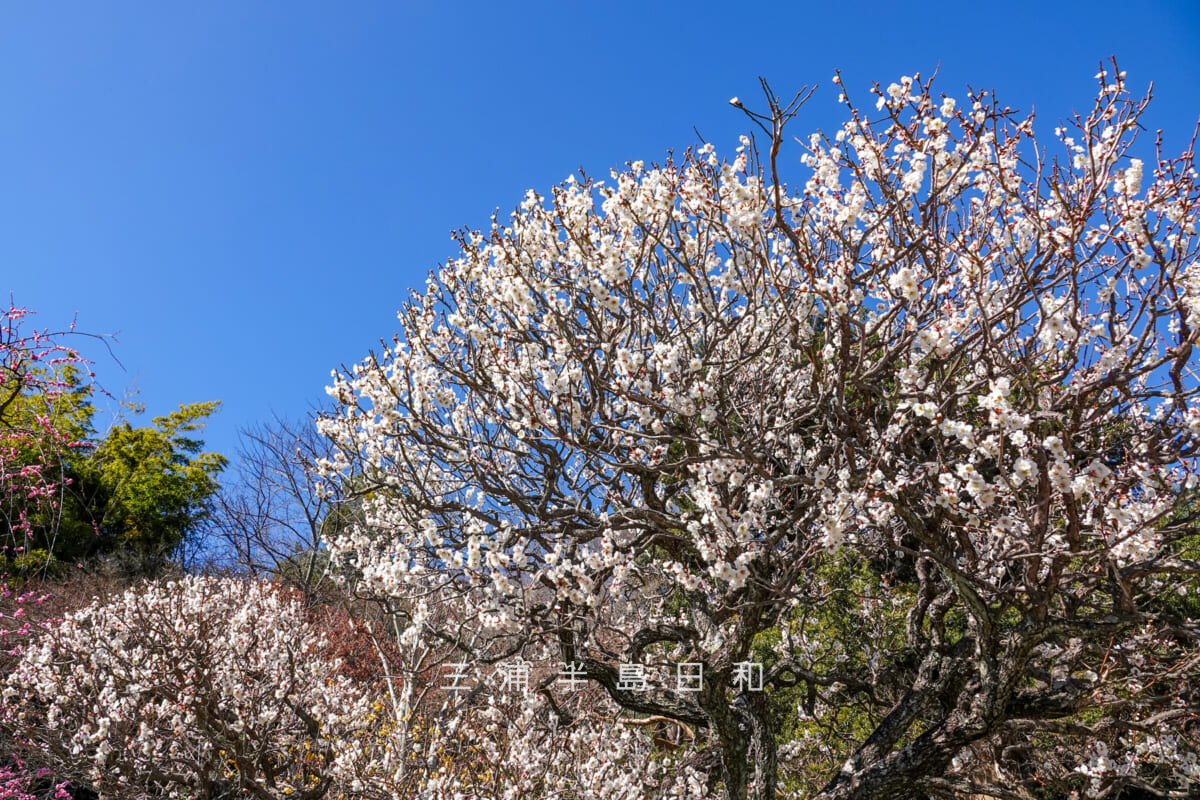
(35, 370)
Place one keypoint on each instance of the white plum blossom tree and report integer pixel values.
(648, 421)
(188, 688)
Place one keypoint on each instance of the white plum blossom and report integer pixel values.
(651, 416)
(188, 685)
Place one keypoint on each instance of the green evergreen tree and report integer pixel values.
(134, 493)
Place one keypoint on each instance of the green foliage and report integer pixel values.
(153, 482)
(856, 628)
(1183, 598)
(136, 493)
(35, 561)
(41, 424)
(42, 431)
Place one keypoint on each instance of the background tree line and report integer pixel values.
(133, 492)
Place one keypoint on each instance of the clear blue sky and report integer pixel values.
(246, 190)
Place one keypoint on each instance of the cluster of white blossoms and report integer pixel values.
(1156, 747)
(499, 750)
(690, 383)
(187, 685)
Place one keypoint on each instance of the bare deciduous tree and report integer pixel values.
(276, 516)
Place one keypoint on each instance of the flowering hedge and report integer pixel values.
(185, 687)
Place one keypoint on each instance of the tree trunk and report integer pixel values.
(766, 756)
